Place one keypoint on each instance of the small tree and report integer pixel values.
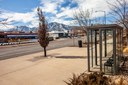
(42, 31)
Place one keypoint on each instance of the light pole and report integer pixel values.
(104, 15)
(105, 41)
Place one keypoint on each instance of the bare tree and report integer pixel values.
(83, 18)
(5, 21)
(119, 11)
(42, 31)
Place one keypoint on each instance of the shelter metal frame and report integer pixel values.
(117, 45)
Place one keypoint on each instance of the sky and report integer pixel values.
(24, 12)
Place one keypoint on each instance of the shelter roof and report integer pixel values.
(107, 26)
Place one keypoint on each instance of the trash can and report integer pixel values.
(80, 43)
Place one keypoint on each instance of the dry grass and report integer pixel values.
(97, 78)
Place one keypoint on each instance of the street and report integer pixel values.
(10, 52)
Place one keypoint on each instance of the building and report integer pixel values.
(6, 37)
(78, 31)
(58, 34)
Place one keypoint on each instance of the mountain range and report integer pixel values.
(54, 26)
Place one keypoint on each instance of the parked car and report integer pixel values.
(51, 38)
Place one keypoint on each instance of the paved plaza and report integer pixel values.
(34, 69)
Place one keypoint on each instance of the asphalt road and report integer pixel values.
(19, 50)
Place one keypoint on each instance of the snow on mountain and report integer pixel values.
(54, 26)
(22, 29)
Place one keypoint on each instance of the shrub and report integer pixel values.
(95, 78)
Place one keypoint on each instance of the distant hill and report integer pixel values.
(54, 26)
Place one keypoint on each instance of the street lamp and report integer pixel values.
(104, 15)
(105, 42)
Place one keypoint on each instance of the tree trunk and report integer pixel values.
(45, 55)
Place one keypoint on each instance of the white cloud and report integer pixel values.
(29, 17)
(52, 6)
(96, 5)
(24, 17)
(34, 23)
(67, 11)
(6, 27)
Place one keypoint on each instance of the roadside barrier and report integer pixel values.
(14, 43)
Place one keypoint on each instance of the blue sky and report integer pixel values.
(23, 12)
(19, 5)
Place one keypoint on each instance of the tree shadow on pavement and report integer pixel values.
(71, 57)
(37, 58)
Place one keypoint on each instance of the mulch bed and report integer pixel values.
(124, 69)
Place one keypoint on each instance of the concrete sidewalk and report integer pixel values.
(36, 70)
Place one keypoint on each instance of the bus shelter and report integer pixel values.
(98, 46)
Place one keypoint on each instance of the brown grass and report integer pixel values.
(96, 78)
